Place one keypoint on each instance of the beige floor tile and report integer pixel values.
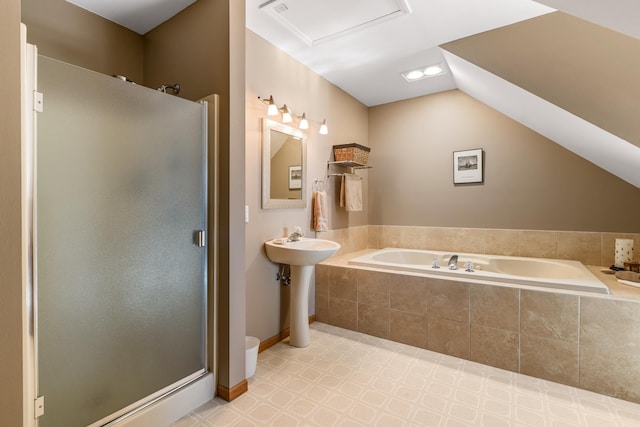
(345, 378)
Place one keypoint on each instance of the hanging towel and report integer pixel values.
(351, 192)
(320, 220)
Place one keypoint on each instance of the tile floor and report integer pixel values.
(345, 378)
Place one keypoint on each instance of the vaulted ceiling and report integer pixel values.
(570, 74)
(564, 75)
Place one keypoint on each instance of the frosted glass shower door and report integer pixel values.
(121, 288)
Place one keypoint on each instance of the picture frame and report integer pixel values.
(295, 177)
(468, 166)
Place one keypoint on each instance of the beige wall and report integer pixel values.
(529, 182)
(234, 183)
(270, 71)
(581, 67)
(192, 49)
(71, 34)
(11, 363)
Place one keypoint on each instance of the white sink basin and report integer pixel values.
(302, 252)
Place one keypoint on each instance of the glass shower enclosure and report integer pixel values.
(120, 264)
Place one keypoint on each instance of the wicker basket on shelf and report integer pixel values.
(351, 153)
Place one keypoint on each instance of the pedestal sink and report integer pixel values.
(302, 256)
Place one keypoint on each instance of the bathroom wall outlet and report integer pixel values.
(246, 214)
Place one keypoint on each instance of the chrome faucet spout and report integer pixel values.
(453, 262)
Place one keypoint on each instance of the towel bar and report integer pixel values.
(343, 174)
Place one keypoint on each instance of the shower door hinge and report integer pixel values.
(38, 407)
(201, 238)
(38, 102)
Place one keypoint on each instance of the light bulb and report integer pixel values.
(286, 114)
(273, 108)
(415, 75)
(304, 123)
(323, 128)
(432, 70)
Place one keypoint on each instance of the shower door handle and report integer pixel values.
(200, 238)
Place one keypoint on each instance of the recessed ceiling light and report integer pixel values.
(415, 75)
(432, 70)
(423, 72)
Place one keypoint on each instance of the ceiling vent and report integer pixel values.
(316, 21)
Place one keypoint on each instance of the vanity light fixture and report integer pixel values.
(272, 110)
(288, 116)
(304, 124)
(323, 128)
(423, 72)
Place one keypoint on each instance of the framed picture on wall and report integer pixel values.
(295, 177)
(468, 166)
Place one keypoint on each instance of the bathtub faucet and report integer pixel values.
(453, 262)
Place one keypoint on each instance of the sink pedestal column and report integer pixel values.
(299, 305)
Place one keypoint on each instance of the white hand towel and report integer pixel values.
(320, 220)
(351, 192)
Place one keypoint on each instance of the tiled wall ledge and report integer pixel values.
(351, 239)
(583, 341)
(590, 248)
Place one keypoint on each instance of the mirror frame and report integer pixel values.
(267, 201)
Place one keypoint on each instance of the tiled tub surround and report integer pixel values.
(590, 248)
(589, 342)
(593, 249)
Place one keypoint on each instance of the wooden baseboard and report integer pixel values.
(270, 342)
(239, 389)
(234, 392)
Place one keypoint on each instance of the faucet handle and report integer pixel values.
(296, 235)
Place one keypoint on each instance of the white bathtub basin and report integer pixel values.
(537, 272)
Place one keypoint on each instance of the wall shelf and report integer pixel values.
(346, 164)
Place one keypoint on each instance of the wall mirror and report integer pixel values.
(283, 166)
